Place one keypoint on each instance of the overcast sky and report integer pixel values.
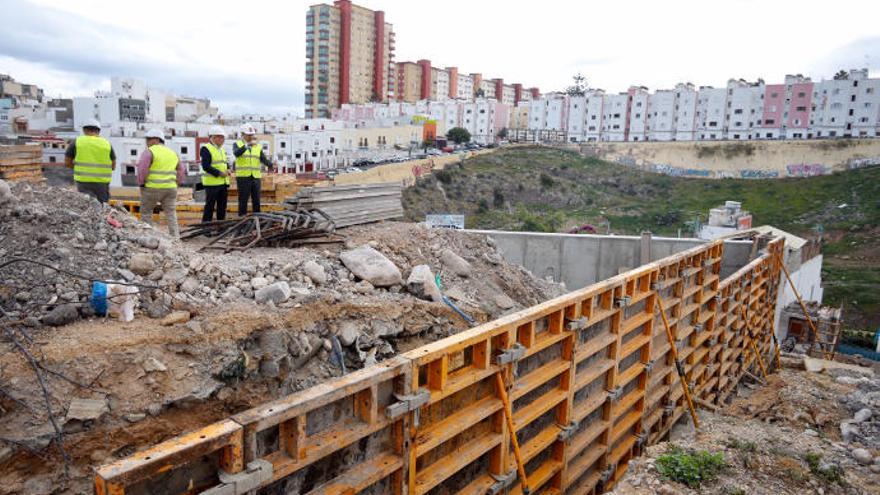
(249, 56)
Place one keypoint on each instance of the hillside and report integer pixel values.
(549, 190)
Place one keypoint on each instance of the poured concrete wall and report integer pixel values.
(581, 260)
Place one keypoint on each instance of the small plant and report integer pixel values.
(829, 473)
(690, 467)
(547, 182)
(443, 176)
(745, 446)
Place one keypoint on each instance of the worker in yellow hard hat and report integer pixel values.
(93, 161)
(249, 160)
(159, 171)
(215, 174)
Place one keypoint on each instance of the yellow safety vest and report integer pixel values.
(163, 170)
(218, 161)
(248, 164)
(92, 161)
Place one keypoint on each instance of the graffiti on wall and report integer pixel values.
(626, 160)
(806, 169)
(862, 162)
(758, 174)
(421, 169)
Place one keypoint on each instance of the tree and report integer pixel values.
(502, 134)
(458, 135)
(480, 93)
(579, 88)
(841, 75)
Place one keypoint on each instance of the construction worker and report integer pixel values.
(159, 171)
(249, 158)
(215, 174)
(93, 161)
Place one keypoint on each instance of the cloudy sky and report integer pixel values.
(249, 56)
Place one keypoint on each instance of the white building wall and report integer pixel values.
(465, 87)
(685, 113)
(614, 117)
(593, 116)
(661, 115)
(807, 279)
(577, 113)
(711, 110)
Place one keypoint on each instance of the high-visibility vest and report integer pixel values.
(92, 161)
(163, 170)
(248, 164)
(218, 161)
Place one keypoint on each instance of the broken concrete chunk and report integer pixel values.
(190, 285)
(348, 333)
(259, 282)
(277, 293)
(315, 272)
(371, 265)
(455, 263)
(135, 417)
(141, 264)
(421, 284)
(152, 364)
(87, 409)
(503, 301)
(6, 195)
(148, 242)
(61, 315)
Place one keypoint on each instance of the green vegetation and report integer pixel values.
(830, 473)
(458, 135)
(550, 190)
(690, 467)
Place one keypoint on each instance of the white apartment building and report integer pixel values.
(847, 107)
(614, 117)
(661, 115)
(308, 151)
(577, 118)
(549, 113)
(639, 114)
(745, 104)
(711, 111)
(465, 88)
(685, 111)
(439, 84)
(509, 95)
(488, 88)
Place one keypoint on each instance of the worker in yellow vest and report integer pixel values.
(93, 161)
(159, 171)
(249, 159)
(215, 174)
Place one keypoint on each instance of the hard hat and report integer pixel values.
(216, 131)
(248, 129)
(155, 133)
(93, 123)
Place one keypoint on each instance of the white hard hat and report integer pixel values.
(155, 133)
(216, 131)
(248, 129)
(92, 123)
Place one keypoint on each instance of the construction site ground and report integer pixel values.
(803, 432)
(201, 348)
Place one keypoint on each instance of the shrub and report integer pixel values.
(483, 206)
(547, 182)
(497, 198)
(691, 468)
(830, 473)
(443, 176)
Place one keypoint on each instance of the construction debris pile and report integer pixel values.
(21, 163)
(812, 430)
(214, 332)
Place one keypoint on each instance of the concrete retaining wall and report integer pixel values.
(746, 159)
(580, 260)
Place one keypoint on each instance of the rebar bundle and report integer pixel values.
(288, 228)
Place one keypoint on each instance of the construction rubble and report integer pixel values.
(213, 333)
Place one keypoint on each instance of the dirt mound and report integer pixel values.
(116, 387)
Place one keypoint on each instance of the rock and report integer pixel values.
(348, 333)
(326, 344)
(848, 431)
(125, 274)
(315, 272)
(813, 365)
(811, 433)
(157, 309)
(61, 315)
(175, 276)
(87, 409)
(371, 265)
(6, 196)
(259, 282)
(148, 242)
(270, 368)
(863, 415)
(5, 452)
(493, 258)
(154, 409)
(503, 301)
(363, 287)
(141, 264)
(421, 284)
(277, 293)
(152, 364)
(190, 285)
(455, 263)
(100, 245)
(232, 293)
(175, 318)
(194, 326)
(862, 456)
(875, 468)
(135, 417)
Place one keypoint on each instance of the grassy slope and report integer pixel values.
(542, 189)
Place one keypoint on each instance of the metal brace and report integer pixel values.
(566, 432)
(641, 440)
(407, 403)
(719, 299)
(614, 394)
(649, 366)
(698, 327)
(510, 355)
(668, 409)
(576, 324)
(606, 475)
(254, 475)
(502, 481)
(655, 286)
(622, 302)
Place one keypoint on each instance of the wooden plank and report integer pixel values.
(523, 416)
(431, 436)
(442, 469)
(361, 476)
(538, 377)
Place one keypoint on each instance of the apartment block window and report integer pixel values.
(801, 109)
(616, 115)
(713, 124)
(850, 112)
(638, 115)
(133, 152)
(738, 111)
(801, 94)
(770, 121)
(283, 145)
(869, 91)
(298, 156)
(852, 98)
(184, 150)
(332, 140)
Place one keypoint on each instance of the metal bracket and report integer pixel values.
(641, 440)
(614, 394)
(698, 327)
(510, 355)
(254, 475)
(606, 474)
(576, 324)
(719, 299)
(649, 366)
(622, 302)
(655, 286)
(407, 403)
(502, 481)
(668, 409)
(567, 431)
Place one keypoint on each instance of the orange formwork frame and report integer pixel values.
(589, 376)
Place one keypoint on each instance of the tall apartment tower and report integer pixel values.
(349, 55)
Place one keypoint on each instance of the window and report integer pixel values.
(801, 94)
(850, 112)
(298, 156)
(283, 145)
(713, 124)
(738, 111)
(638, 115)
(133, 153)
(616, 115)
(332, 140)
(801, 109)
(770, 121)
(863, 119)
(51, 159)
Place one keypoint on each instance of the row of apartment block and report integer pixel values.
(350, 60)
(796, 109)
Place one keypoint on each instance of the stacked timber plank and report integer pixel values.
(188, 213)
(351, 204)
(274, 188)
(127, 193)
(21, 163)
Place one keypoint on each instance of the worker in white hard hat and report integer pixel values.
(159, 171)
(249, 160)
(215, 174)
(93, 161)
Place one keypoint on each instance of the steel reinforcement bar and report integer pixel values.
(589, 375)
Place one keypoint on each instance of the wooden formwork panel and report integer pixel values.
(590, 377)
